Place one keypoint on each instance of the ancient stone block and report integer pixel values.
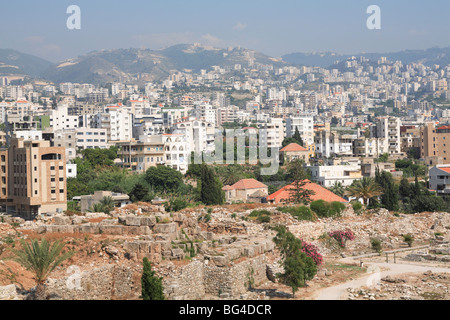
(131, 247)
(113, 230)
(133, 221)
(148, 221)
(62, 220)
(178, 254)
(165, 228)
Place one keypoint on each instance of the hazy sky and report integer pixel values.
(274, 27)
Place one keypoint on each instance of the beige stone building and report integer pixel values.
(294, 151)
(35, 178)
(246, 190)
(435, 144)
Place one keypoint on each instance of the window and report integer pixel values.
(52, 179)
(61, 179)
(53, 191)
(61, 167)
(52, 168)
(61, 190)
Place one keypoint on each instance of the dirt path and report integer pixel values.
(372, 278)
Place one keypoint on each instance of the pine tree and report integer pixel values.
(298, 193)
(152, 288)
(389, 198)
(211, 189)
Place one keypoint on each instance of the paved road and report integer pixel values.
(335, 293)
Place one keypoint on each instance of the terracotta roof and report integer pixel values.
(247, 184)
(445, 169)
(226, 188)
(320, 193)
(293, 147)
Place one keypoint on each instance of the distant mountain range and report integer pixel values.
(100, 67)
(440, 56)
(16, 63)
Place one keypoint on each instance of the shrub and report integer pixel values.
(175, 205)
(152, 288)
(326, 209)
(258, 213)
(357, 206)
(409, 239)
(342, 236)
(312, 251)
(300, 212)
(263, 219)
(376, 244)
(262, 216)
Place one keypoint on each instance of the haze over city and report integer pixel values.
(273, 27)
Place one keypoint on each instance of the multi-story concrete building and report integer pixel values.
(329, 144)
(91, 138)
(370, 147)
(35, 177)
(327, 176)
(117, 121)
(435, 143)
(272, 133)
(388, 128)
(140, 155)
(304, 124)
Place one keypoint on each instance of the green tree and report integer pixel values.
(365, 189)
(298, 267)
(296, 138)
(139, 192)
(337, 189)
(211, 189)
(231, 175)
(152, 288)
(164, 179)
(297, 174)
(41, 259)
(389, 199)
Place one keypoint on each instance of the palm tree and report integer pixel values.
(231, 175)
(41, 259)
(365, 189)
(338, 189)
(105, 205)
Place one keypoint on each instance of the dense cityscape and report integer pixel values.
(198, 172)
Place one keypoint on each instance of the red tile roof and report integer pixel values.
(320, 193)
(447, 169)
(293, 147)
(247, 184)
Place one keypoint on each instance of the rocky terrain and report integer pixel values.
(205, 253)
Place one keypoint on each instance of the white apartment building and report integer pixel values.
(176, 151)
(370, 147)
(91, 138)
(200, 135)
(60, 119)
(305, 125)
(117, 121)
(327, 176)
(388, 128)
(329, 144)
(275, 133)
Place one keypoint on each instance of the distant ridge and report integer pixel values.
(428, 57)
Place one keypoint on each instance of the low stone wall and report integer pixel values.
(109, 282)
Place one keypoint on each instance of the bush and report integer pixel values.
(342, 236)
(263, 219)
(376, 244)
(409, 239)
(152, 288)
(262, 216)
(175, 205)
(300, 212)
(357, 206)
(258, 213)
(313, 252)
(326, 209)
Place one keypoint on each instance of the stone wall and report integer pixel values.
(109, 282)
